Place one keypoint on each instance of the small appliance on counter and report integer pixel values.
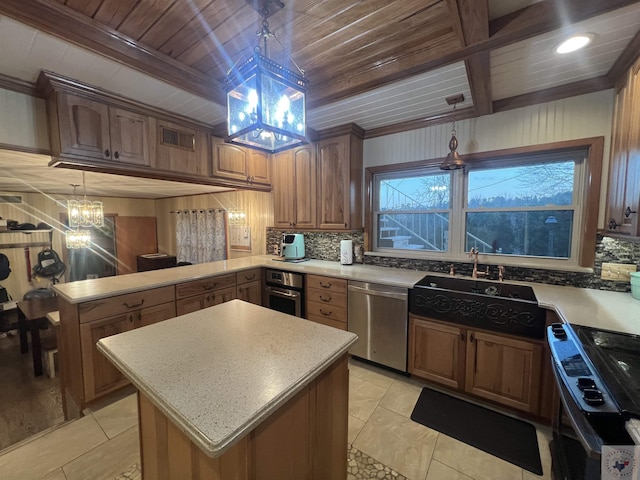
(346, 252)
(292, 247)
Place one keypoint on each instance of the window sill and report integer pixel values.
(541, 264)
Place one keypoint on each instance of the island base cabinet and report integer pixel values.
(305, 438)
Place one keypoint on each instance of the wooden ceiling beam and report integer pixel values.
(628, 56)
(60, 21)
(473, 27)
(581, 87)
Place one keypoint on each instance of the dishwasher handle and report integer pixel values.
(378, 293)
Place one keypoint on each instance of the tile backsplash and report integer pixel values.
(326, 246)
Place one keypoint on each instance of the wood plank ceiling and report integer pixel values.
(346, 47)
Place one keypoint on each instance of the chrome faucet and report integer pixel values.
(452, 270)
(500, 273)
(473, 253)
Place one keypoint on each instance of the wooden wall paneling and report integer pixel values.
(112, 12)
(143, 16)
(24, 121)
(153, 440)
(70, 359)
(134, 236)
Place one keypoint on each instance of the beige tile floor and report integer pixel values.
(104, 443)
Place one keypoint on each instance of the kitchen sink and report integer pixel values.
(498, 306)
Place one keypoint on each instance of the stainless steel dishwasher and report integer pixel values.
(378, 315)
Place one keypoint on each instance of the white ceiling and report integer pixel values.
(524, 67)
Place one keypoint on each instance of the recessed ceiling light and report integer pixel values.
(574, 42)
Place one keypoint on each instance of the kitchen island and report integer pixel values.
(238, 391)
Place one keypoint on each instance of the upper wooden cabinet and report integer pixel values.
(91, 129)
(623, 202)
(238, 163)
(340, 182)
(294, 187)
(179, 148)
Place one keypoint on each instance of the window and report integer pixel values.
(530, 204)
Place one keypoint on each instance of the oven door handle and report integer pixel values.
(591, 445)
(278, 293)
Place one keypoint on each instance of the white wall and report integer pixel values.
(23, 121)
(583, 116)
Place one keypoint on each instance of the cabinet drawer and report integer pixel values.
(221, 296)
(205, 285)
(328, 322)
(327, 283)
(332, 312)
(327, 297)
(247, 276)
(108, 307)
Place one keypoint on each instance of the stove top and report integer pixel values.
(616, 358)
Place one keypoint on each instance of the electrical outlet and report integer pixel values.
(617, 271)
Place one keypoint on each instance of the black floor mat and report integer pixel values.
(510, 439)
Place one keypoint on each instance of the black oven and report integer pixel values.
(284, 292)
(598, 378)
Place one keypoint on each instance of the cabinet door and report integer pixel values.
(155, 314)
(129, 137)
(283, 192)
(192, 304)
(333, 183)
(84, 127)
(437, 352)
(258, 168)
(229, 161)
(504, 370)
(250, 292)
(304, 160)
(221, 296)
(181, 149)
(100, 376)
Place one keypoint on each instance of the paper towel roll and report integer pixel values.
(346, 252)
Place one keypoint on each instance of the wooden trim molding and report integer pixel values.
(627, 58)
(348, 129)
(23, 149)
(63, 22)
(462, 114)
(17, 85)
(593, 175)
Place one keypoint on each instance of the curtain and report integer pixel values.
(200, 236)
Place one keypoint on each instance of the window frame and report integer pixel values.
(588, 202)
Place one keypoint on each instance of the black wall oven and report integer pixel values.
(598, 377)
(285, 291)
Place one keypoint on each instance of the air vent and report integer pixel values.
(10, 199)
(175, 138)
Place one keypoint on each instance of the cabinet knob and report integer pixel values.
(462, 337)
(471, 339)
(116, 154)
(628, 212)
(345, 224)
(131, 318)
(107, 153)
(613, 224)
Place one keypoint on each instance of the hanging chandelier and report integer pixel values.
(266, 101)
(84, 213)
(453, 160)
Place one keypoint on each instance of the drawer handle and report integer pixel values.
(208, 286)
(250, 278)
(135, 305)
(325, 299)
(328, 285)
(326, 314)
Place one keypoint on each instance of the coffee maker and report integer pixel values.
(292, 247)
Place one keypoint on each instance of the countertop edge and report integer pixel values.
(210, 448)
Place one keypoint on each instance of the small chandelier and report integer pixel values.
(266, 101)
(453, 160)
(77, 238)
(84, 213)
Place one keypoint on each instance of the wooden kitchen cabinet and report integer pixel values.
(504, 369)
(199, 294)
(340, 182)
(294, 187)
(91, 129)
(249, 286)
(181, 149)
(103, 318)
(623, 200)
(437, 352)
(237, 163)
(326, 301)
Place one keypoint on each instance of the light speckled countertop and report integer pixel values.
(596, 308)
(238, 362)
